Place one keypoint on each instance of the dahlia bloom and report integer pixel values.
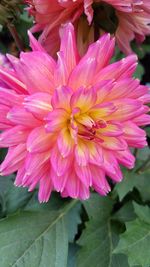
(69, 123)
(128, 20)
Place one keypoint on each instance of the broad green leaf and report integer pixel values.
(98, 207)
(96, 240)
(126, 185)
(131, 180)
(135, 243)
(143, 212)
(125, 213)
(142, 183)
(55, 203)
(72, 255)
(72, 221)
(119, 260)
(12, 197)
(36, 239)
(143, 153)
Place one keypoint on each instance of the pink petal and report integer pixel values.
(95, 153)
(125, 158)
(35, 163)
(61, 98)
(65, 143)
(83, 99)
(111, 166)
(81, 154)
(20, 116)
(82, 74)
(14, 159)
(127, 109)
(59, 164)
(10, 78)
(113, 143)
(39, 104)
(57, 120)
(72, 186)
(34, 44)
(45, 188)
(103, 110)
(68, 47)
(9, 97)
(84, 174)
(134, 136)
(112, 129)
(142, 120)
(118, 70)
(99, 181)
(39, 140)
(84, 192)
(59, 182)
(14, 136)
(36, 70)
(5, 123)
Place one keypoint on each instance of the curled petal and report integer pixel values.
(14, 136)
(20, 116)
(81, 154)
(57, 120)
(45, 188)
(59, 163)
(134, 136)
(83, 99)
(14, 159)
(99, 181)
(65, 143)
(39, 140)
(39, 104)
(84, 174)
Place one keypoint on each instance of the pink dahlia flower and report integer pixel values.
(69, 123)
(128, 19)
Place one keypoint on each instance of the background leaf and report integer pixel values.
(100, 236)
(36, 238)
(135, 241)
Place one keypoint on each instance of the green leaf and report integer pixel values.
(143, 153)
(131, 180)
(96, 207)
(72, 221)
(125, 213)
(119, 260)
(126, 185)
(72, 255)
(36, 239)
(135, 243)
(55, 203)
(96, 240)
(142, 183)
(143, 212)
(12, 197)
(139, 71)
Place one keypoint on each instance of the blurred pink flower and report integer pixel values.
(69, 123)
(128, 19)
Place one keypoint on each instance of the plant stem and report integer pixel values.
(15, 36)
